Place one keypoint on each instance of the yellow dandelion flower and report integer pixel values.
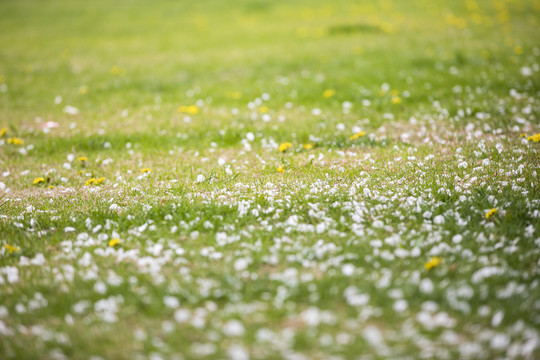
(82, 159)
(90, 182)
(114, 242)
(3, 131)
(145, 170)
(491, 212)
(284, 146)
(11, 248)
(100, 180)
(191, 109)
(38, 180)
(518, 50)
(534, 138)
(83, 89)
(263, 109)
(522, 135)
(307, 146)
(116, 70)
(433, 262)
(357, 135)
(51, 187)
(358, 50)
(280, 169)
(396, 100)
(15, 141)
(328, 93)
(233, 94)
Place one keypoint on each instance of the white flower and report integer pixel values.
(426, 286)
(499, 341)
(233, 328)
(70, 110)
(241, 264)
(100, 287)
(171, 302)
(439, 220)
(181, 315)
(496, 320)
(237, 352)
(526, 71)
(347, 269)
(400, 305)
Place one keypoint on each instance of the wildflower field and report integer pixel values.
(255, 179)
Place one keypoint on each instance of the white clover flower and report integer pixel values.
(171, 302)
(233, 328)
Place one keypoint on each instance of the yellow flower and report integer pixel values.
(518, 50)
(280, 169)
(284, 146)
(307, 146)
(328, 93)
(11, 248)
(90, 182)
(114, 242)
(82, 159)
(523, 135)
(263, 109)
(116, 70)
(191, 109)
(15, 141)
(491, 212)
(38, 180)
(534, 138)
(357, 135)
(434, 261)
(396, 100)
(3, 131)
(145, 170)
(94, 181)
(83, 89)
(233, 94)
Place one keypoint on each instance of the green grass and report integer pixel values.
(221, 255)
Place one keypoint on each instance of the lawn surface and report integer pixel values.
(269, 179)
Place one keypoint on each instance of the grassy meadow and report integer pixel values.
(256, 179)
